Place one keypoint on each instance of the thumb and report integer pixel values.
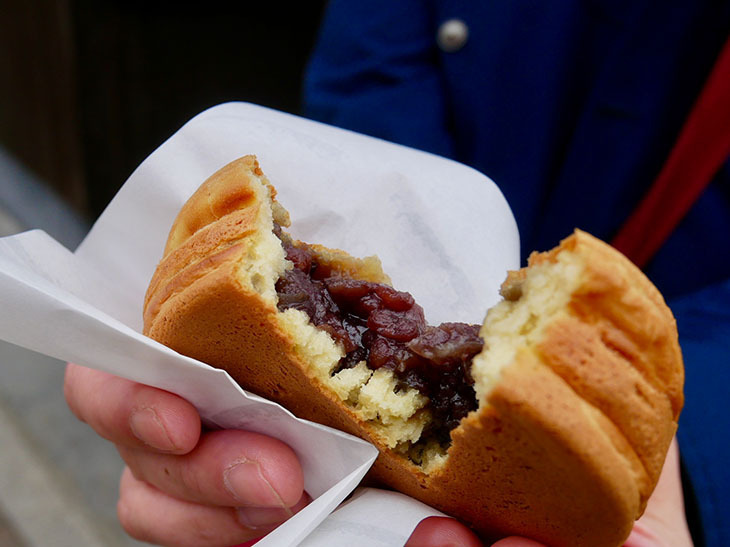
(663, 521)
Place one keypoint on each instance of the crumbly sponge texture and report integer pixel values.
(222, 243)
(580, 386)
(392, 415)
(580, 390)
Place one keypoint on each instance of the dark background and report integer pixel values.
(91, 88)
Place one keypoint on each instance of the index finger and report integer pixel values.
(131, 414)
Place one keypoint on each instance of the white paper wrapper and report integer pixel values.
(442, 230)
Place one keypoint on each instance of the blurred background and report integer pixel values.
(88, 90)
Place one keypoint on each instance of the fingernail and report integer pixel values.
(148, 428)
(259, 518)
(245, 481)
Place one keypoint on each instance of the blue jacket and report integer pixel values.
(571, 107)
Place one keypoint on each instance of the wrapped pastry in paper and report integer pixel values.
(443, 232)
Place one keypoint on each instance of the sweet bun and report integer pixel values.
(578, 387)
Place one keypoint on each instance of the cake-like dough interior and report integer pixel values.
(578, 385)
(398, 413)
(393, 411)
(532, 299)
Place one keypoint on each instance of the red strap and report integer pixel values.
(701, 149)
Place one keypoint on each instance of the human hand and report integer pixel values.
(183, 486)
(662, 524)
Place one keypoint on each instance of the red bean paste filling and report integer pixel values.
(386, 328)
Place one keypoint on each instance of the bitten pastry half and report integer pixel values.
(551, 420)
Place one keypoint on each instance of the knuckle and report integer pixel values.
(141, 466)
(188, 478)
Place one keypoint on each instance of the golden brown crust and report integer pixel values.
(618, 349)
(227, 190)
(531, 462)
(631, 313)
(196, 235)
(341, 263)
(567, 446)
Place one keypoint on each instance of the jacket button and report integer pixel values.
(452, 35)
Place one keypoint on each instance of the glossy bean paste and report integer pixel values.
(386, 328)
